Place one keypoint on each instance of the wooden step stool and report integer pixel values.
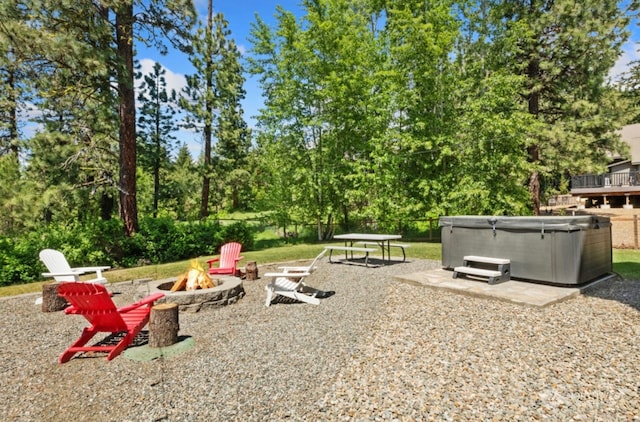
(497, 270)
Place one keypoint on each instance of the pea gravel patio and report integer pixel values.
(378, 349)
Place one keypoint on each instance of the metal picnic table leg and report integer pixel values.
(346, 253)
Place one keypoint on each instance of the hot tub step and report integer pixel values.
(482, 266)
(486, 260)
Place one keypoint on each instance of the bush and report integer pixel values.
(162, 239)
(15, 267)
(202, 238)
(239, 232)
(159, 240)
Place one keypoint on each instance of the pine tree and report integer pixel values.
(157, 124)
(212, 100)
(78, 50)
(564, 49)
(183, 186)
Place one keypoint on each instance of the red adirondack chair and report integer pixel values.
(229, 257)
(93, 302)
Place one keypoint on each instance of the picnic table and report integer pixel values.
(382, 240)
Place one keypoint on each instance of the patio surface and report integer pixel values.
(519, 292)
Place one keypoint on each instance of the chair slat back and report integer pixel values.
(229, 253)
(94, 303)
(56, 263)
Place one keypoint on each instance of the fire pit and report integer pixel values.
(228, 291)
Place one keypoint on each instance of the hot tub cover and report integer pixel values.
(562, 223)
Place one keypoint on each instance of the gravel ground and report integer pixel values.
(376, 350)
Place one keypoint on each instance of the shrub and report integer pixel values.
(15, 266)
(201, 238)
(239, 232)
(159, 240)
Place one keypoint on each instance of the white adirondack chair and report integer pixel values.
(289, 283)
(60, 269)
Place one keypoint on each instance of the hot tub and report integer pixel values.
(556, 250)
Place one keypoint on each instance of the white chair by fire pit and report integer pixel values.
(289, 283)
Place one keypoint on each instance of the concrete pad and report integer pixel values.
(520, 292)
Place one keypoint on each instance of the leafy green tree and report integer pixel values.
(17, 73)
(317, 78)
(157, 124)
(233, 136)
(421, 85)
(357, 106)
(59, 57)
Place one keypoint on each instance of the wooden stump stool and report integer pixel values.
(252, 270)
(163, 325)
(51, 302)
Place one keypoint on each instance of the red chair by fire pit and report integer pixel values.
(228, 260)
(93, 302)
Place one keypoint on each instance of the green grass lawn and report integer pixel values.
(626, 262)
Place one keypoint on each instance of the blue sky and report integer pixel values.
(240, 14)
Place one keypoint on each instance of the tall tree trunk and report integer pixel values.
(107, 200)
(127, 111)
(206, 179)
(156, 164)
(13, 124)
(534, 150)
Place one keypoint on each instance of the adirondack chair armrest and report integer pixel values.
(144, 301)
(212, 260)
(239, 258)
(300, 269)
(73, 272)
(288, 275)
(97, 270)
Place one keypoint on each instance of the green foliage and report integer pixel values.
(159, 240)
(212, 101)
(565, 51)
(240, 232)
(167, 240)
(156, 123)
(17, 262)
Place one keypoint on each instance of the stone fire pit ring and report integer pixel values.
(228, 292)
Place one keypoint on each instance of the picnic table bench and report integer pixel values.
(402, 246)
(351, 249)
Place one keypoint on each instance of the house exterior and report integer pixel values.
(620, 186)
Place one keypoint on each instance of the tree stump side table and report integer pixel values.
(163, 325)
(51, 302)
(252, 270)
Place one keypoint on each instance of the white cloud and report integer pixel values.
(174, 80)
(629, 54)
